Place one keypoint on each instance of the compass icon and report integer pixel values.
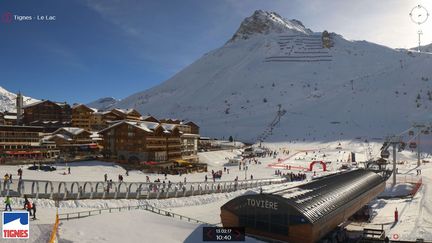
(419, 14)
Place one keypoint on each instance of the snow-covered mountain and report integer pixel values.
(262, 22)
(8, 100)
(355, 88)
(103, 103)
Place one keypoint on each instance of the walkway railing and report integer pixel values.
(75, 190)
(82, 214)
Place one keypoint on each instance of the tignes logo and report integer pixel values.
(15, 225)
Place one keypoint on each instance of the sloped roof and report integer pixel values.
(148, 117)
(321, 199)
(169, 127)
(43, 101)
(190, 123)
(82, 105)
(71, 130)
(10, 117)
(62, 136)
(143, 125)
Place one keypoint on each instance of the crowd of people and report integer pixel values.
(291, 176)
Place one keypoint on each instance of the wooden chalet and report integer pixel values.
(73, 139)
(139, 141)
(194, 128)
(82, 116)
(121, 114)
(58, 114)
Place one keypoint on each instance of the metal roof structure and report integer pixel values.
(321, 198)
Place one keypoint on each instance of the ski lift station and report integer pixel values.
(305, 213)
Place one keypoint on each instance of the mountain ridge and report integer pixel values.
(8, 100)
(353, 89)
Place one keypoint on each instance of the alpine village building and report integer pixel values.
(135, 141)
(45, 130)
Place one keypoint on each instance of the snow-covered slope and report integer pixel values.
(103, 103)
(8, 100)
(425, 48)
(355, 88)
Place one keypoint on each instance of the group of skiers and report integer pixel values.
(28, 205)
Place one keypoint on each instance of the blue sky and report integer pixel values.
(99, 48)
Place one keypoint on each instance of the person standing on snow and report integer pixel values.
(28, 206)
(8, 202)
(34, 210)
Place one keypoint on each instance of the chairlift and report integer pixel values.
(413, 145)
(385, 154)
(425, 132)
(384, 146)
(401, 147)
(411, 133)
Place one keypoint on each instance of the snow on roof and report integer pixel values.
(168, 127)
(10, 117)
(94, 135)
(125, 111)
(78, 105)
(143, 125)
(42, 101)
(71, 130)
(62, 136)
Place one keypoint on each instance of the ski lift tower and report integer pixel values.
(419, 15)
(419, 127)
(395, 142)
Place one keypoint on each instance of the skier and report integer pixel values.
(69, 170)
(106, 177)
(205, 178)
(396, 215)
(8, 202)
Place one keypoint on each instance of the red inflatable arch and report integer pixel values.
(318, 162)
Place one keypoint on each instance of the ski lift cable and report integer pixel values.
(409, 129)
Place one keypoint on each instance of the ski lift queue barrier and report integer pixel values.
(75, 190)
(88, 213)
